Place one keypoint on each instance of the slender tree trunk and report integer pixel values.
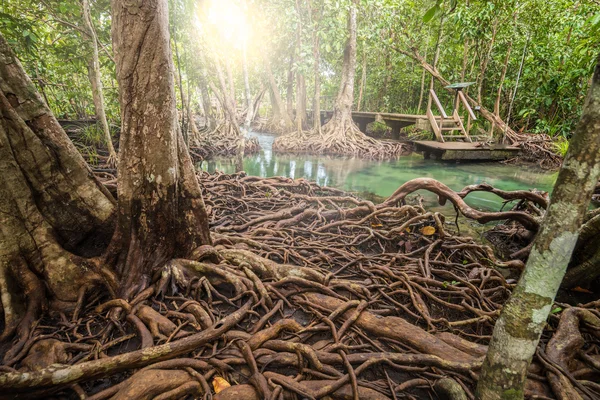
(161, 213)
(247, 94)
(388, 72)
(96, 83)
(280, 116)
(465, 62)
(436, 56)
(485, 61)
(363, 80)
(422, 89)
(316, 19)
(51, 207)
(518, 330)
(502, 77)
(290, 87)
(209, 117)
(230, 114)
(301, 116)
(230, 82)
(342, 110)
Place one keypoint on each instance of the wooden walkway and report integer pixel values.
(465, 151)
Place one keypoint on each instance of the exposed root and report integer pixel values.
(339, 137)
(224, 140)
(336, 297)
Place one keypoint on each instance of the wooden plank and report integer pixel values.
(462, 127)
(463, 99)
(434, 126)
(438, 104)
(463, 151)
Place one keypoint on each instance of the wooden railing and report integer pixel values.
(454, 119)
(437, 129)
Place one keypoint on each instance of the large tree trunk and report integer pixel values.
(161, 213)
(53, 211)
(96, 83)
(518, 330)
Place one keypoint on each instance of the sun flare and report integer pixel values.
(229, 19)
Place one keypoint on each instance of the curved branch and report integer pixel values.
(445, 193)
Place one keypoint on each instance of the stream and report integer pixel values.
(382, 178)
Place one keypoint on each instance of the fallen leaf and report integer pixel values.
(220, 384)
(376, 225)
(581, 290)
(428, 230)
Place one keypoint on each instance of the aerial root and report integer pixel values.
(339, 137)
(223, 140)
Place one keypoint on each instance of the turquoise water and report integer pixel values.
(382, 178)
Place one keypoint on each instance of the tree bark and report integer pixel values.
(281, 118)
(96, 83)
(247, 94)
(52, 209)
(315, 19)
(485, 61)
(290, 87)
(503, 76)
(301, 115)
(342, 109)
(436, 56)
(518, 330)
(161, 213)
(363, 80)
(209, 117)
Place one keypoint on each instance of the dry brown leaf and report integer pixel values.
(428, 230)
(220, 384)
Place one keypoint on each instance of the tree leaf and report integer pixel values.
(428, 230)
(220, 384)
(431, 13)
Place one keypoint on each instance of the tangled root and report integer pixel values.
(337, 137)
(307, 293)
(224, 140)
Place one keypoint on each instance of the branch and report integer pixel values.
(445, 193)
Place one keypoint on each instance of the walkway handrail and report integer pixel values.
(463, 99)
(438, 104)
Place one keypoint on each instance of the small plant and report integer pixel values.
(560, 146)
(92, 134)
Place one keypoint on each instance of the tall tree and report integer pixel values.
(518, 330)
(96, 82)
(161, 212)
(51, 207)
(340, 135)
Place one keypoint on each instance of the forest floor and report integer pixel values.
(306, 292)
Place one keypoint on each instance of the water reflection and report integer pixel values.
(382, 178)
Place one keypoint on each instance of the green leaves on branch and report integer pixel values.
(437, 10)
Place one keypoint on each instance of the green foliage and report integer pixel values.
(561, 145)
(558, 41)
